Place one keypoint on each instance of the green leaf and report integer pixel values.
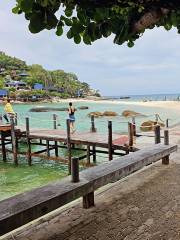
(68, 12)
(77, 39)
(36, 22)
(82, 17)
(91, 31)
(86, 39)
(51, 20)
(168, 26)
(67, 21)
(130, 44)
(59, 31)
(69, 34)
(26, 5)
(77, 28)
(15, 10)
(105, 30)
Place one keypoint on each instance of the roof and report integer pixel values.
(3, 92)
(38, 86)
(23, 74)
(15, 83)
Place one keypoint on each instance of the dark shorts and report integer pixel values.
(72, 118)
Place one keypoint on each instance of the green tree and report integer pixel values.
(37, 74)
(93, 19)
(11, 63)
(1, 83)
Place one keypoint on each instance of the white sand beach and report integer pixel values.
(161, 104)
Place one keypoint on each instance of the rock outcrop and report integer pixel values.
(130, 113)
(95, 114)
(83, 107)
(149, 125)
(103, 114)
(47, 109)
(110, 114)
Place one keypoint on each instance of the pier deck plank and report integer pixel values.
(85, 138)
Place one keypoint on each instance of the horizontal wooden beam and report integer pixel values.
(23, 208)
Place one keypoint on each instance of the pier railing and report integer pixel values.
(50, 140)
(23, 208)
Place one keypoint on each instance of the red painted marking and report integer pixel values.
(121, 140)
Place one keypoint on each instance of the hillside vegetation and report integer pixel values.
(56, 83)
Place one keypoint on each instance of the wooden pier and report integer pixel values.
(52, 140)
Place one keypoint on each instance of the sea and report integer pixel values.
(147, 97)
(14, 180)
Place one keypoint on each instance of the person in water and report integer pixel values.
(71, 111)
(9, 112)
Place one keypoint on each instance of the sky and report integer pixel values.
(150, 67)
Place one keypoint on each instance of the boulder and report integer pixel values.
(47, 109)
(110, 114)
(130, 113)
(149, 125)
(83, 107)
(95, 114)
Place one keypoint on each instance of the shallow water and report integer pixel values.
(15, 180)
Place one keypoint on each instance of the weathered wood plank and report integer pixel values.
(21, 209)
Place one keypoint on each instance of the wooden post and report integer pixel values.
(55, 127)
(93, 129)
(167, 122)
(156, 117)
(1, 118)
(3, 146)
(94, 153)
(75, 170)
(69, 144)
(134, 126)
(88, 200)
(166, 137)
(28, 143)
(47, 148)
(88, 155)
(130, 134)
(110, 140)
(54, 121)
(157, 134)
(165, 160)
(14, 145)
(15, 120)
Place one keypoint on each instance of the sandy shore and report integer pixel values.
(84, 101)
(160, 104)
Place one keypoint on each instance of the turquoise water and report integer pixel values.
(15, 180)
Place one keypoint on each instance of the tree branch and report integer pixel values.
(150, 18)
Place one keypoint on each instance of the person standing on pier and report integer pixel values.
(71, 111)
(9, 112)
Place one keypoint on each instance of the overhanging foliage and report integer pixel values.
(89, 20)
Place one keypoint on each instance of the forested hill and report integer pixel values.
(14, 69)
(11, 63)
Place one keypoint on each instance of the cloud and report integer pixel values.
(148, 67)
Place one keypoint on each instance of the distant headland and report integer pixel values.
(25, 83)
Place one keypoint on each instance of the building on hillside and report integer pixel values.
(17, 84)
(3, 93)
(2, 69)
(54, 89)
(38, 86)
(23, 74)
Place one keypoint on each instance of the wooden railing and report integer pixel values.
(23, 208)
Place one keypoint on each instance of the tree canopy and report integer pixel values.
(89, 20)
